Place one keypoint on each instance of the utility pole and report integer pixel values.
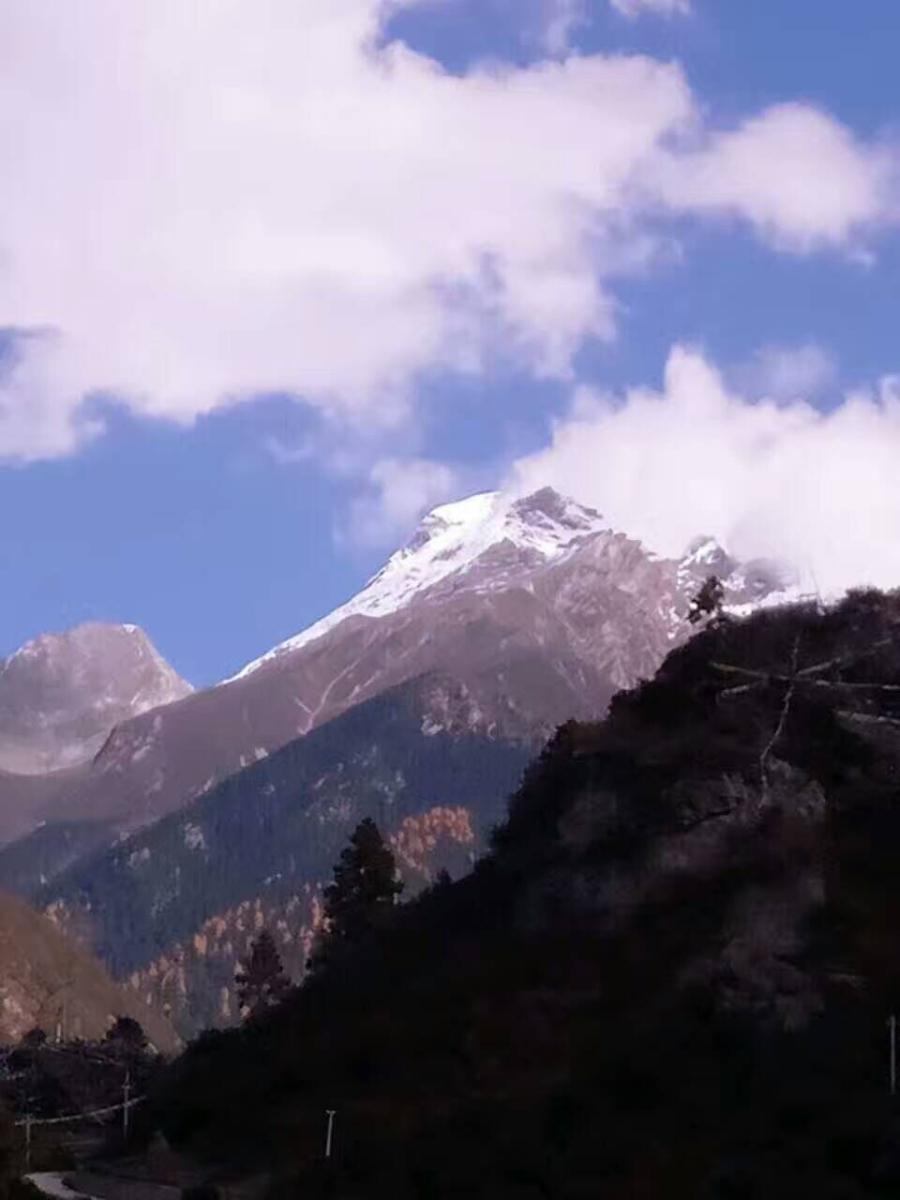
(126, 1095)
(892, 1030)
(330, 1113)
(61, 1032)
(28, 1141)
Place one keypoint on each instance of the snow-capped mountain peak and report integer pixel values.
(454, 536)
(707, 553)
(449, 540)
(494, 541)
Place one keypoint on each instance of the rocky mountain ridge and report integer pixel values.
(539, 610)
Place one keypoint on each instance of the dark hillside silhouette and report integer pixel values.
(671, 977)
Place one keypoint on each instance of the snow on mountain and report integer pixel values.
(449, 540)
(759, 583)
(705, 553)
(541, 528)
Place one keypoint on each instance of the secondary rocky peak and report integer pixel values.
(61, 693)
(708, 554)
(758, 582)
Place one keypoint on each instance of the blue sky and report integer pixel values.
(224, 527)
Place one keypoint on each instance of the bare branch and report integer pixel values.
(867, 718)
(740, 690)
(802, 677)
(858, 687)
(728, 669)
(845, 659)
(782, 720)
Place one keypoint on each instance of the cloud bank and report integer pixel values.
(817, 489)
(203, 202)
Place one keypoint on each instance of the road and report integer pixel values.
(52, 1185)
(108, 1187)
(101, 1187)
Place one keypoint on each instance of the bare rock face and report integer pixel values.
(61, 694)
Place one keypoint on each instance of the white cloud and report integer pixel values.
(401, 491)
(665, 8)
(787, 372)
(203, 202)
(208, 201)
(818, 489)
(561, 19)
(799, 176)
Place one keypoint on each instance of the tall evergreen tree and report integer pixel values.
(126, 1034)
(364, 891)
(708, 602)
(262, 983)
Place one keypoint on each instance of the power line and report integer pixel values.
(28, 1121)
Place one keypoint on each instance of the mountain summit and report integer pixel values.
(455, 539)
(492, 541)
(62, 693)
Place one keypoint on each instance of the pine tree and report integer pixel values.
(126, 1033)
(708, 601)
(362, 896)
(262, 983)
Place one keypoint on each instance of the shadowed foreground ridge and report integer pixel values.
(671, 976)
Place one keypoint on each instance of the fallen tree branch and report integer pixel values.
(845, 659)
(769, 677)
(782, 720)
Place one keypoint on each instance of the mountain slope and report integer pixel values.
(61, 694)
(27, 800)
(45, 979)
(671, 977)
(265, 839)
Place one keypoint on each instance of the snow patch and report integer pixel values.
(193, 837)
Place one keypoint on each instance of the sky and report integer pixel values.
(275, 279)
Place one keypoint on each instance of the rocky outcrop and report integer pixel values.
(62, 693)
